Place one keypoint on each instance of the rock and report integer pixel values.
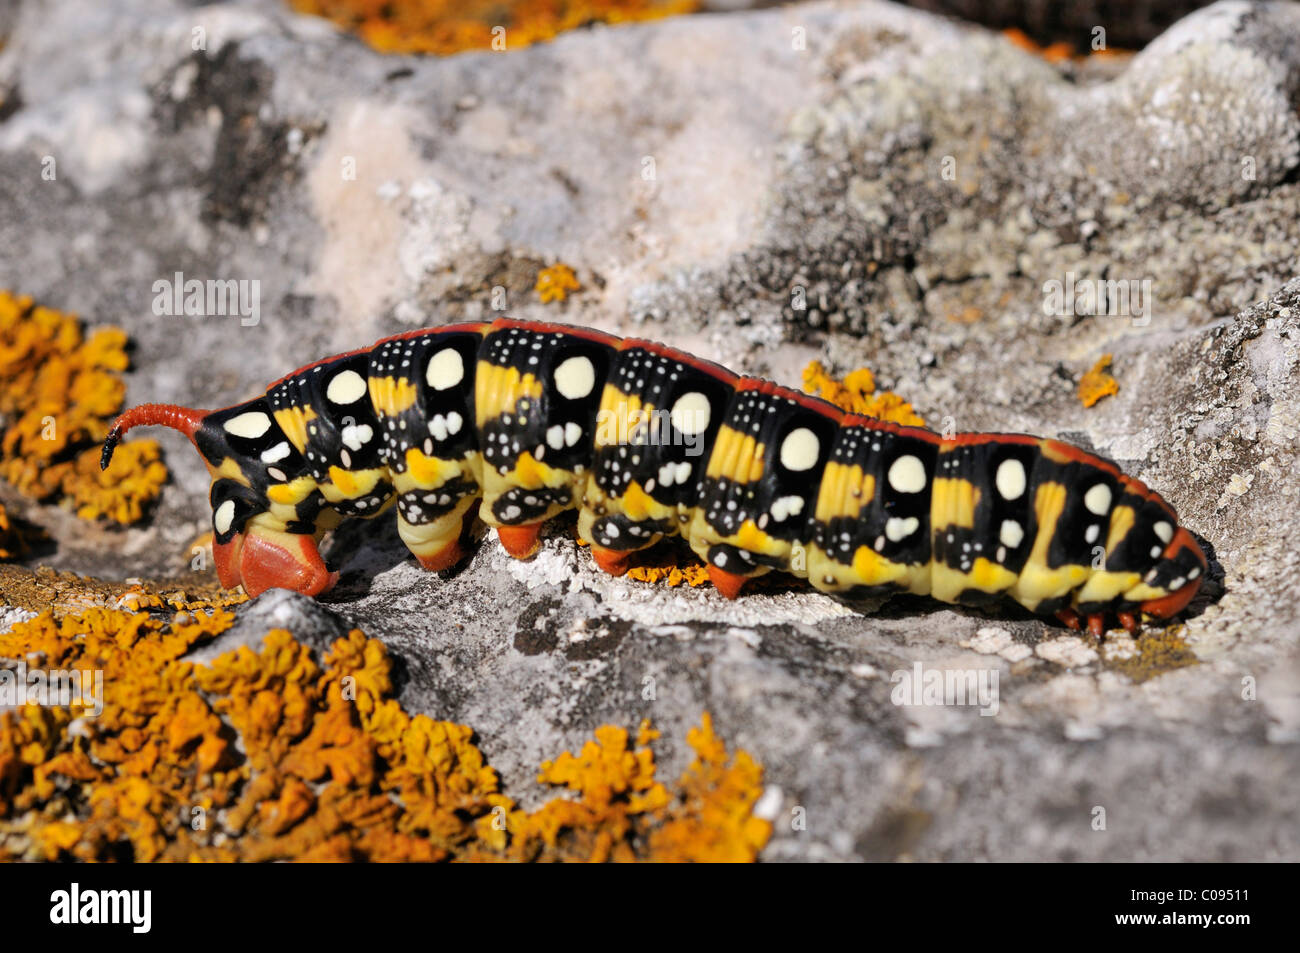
(702, 175)
(310, 622)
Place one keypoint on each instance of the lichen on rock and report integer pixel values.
(274, 755)
(61, 390)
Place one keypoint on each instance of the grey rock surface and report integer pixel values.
(917, 184)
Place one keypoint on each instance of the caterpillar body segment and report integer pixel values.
(537, 395)
(529, 420)
(760, 485)
(660, 413)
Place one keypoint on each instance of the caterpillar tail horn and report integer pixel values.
(184, 419)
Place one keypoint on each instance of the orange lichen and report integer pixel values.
(452, 26)
(1097, 383)
(1060, 51)
(1055, 53)
(967, 315)
(555, 283)
(857, 394)
(137, 597)
(714, 820)
(60, 391)
(273, 755)
(13, 544)
(671, 576)
(621, 813)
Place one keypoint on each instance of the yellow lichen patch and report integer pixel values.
(1097, 383)
(857, 394)
(138, 596)
(1156, 653)
(1060, 51)
(451, 26)
(671, 576)
(555, 283)
(713, 819)
(137, 478)
(967, 315)
(13, 542)
(59, 393)
(1055, 53)
(275, 755)
(621, 813)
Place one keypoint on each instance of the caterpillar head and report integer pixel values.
(1178, 573)
(250, 545)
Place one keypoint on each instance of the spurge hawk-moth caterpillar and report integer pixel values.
(649, 442)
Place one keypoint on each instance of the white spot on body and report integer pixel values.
(1097, 499)
(907, 474)
(446, 369)
(799, 449)
(690, 413)
(276, 453)
(898, 529)
(356, 436)
(1010, 479)
(575, 378)
(250, 425)
(572, 433)
(223, 517)
(1012, 534)
(347, 387)
(787, 506)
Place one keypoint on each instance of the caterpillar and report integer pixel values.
(647, 441)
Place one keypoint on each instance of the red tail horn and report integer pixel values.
(184, 419)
